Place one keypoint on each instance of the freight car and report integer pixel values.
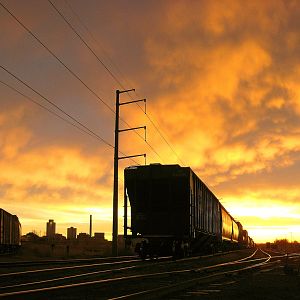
(10, 232)
(173, 211)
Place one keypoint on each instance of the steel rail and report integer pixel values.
(245, 258)
(66, 268)
(98, 272)
(183, 284)
(65, 277)
(106, 263)
(235, 262)
(137, 276)
(79, 275)
(60, 261)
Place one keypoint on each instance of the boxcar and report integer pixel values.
(10, 232)
(244, 243)
(243, 236)
(171, 206)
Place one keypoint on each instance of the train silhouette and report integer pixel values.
(174, 212)
(10, 232)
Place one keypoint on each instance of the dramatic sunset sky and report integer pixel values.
(222, 82)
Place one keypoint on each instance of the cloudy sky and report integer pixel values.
(221, 80)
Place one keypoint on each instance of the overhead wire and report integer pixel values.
(102, 63)
(89, 131)
(68, 68)
(161, 135)
(117, 80)
(85, 43)
(48, 109)
(56, 57)
(55, 105)
(111, 61)
(98, 44)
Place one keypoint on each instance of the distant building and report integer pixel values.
(83, 236)
(71, 233)
(99, 236)
(50, 229)
(59, 237)
(30, 237)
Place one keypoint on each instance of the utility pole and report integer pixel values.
(116, 166)
(91, 222)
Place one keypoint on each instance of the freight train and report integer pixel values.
(10, 232)
(173, 211)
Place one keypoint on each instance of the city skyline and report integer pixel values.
(222, 88)
(50, 231)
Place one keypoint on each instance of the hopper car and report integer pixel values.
(174, 212)
(10, 232)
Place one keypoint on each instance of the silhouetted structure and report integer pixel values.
(121, 241)
(175, 213)
(116, 164)
(71, 233)
(91, 225)
(99, 236)
(30, 237)
(59, 237)
(50, 230)
(82, 236)
(10, 232)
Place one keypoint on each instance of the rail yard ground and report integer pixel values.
(279, 282)
(59, 250)
(244, 274)
(271, 285)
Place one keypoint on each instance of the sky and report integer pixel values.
(221, 79)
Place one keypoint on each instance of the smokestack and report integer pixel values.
(90, 225)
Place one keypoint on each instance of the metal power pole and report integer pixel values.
(116, 167)
(115, 192)
(91, 222)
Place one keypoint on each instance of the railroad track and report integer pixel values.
(18, 283)
(30, 263)
(203, 275)
(213, 282)
(131, 279)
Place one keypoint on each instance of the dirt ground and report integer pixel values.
(41, 251)
(265, 285)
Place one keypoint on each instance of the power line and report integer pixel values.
(118, 70)
(56, 106)
(116, 79)
(162, 136)
(102, 63)
(89, 131)
(57, 58)
(47, 109)
(72, 72)
(86, 44)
